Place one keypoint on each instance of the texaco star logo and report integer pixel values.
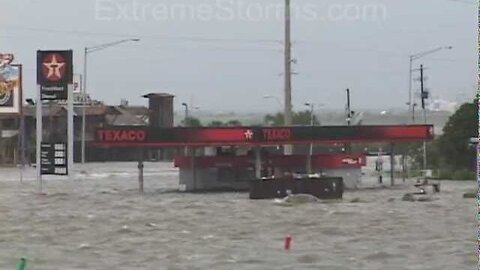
(53, 67)
(249, 134)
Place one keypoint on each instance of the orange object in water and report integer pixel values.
(288, 242)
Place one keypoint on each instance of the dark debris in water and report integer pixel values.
(470, 195)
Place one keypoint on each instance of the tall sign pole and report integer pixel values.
(39, 129)
(70, 134)
(478, 145)
(22, 129)
(288, 73)
(54, 83)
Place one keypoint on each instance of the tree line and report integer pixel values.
(452, 155)
(298, 118)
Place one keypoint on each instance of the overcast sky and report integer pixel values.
(224, 55)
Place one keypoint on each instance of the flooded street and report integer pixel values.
(99, 221)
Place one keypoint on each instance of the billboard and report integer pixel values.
(54, 74)
(10, 88)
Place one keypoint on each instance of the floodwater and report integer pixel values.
(100, 221)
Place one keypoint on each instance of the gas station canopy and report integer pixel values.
(146, 137)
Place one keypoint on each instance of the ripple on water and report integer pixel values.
(332, 231)
(308, 258)
(382, 255)
(171, 230)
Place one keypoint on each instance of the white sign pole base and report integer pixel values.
(70, 135)
(38, 106)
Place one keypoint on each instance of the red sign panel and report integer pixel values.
(277, 134)
(122, 136)
(325, 161)
(54, 67)
(54, 74)
(163, 137)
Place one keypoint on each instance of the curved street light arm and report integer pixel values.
(423, 54)
(107, 45)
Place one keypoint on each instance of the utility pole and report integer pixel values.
(424, 96)
(288, 73)
(422, 89)
(413, 57)
(348, 147)
(349, 109)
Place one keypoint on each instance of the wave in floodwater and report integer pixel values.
(101, 221)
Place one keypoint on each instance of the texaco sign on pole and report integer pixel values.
(54, 82)
(54, 74)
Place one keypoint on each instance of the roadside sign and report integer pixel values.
(53, 159)
(54, 74)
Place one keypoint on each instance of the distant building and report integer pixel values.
(159, 114)
(440, 105)
(55, 128)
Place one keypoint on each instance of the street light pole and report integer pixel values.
(84, 102)
(414, 57)
(184, 104)
(410, 94)
(186, 114)
(275, 98)
(413, 111)
(88, 50)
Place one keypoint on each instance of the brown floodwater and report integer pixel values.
(100, 221)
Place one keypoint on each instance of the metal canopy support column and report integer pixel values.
(194, 168)
(392, 164)
(309, 160)
(258, 162)
(22, 143)
(140, 170)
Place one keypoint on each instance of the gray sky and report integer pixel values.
(224, 55)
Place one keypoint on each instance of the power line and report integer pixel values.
(463, 2)
(122, 35)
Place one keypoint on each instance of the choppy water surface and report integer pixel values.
(99, 221)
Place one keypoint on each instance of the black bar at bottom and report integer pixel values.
(322, 188)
